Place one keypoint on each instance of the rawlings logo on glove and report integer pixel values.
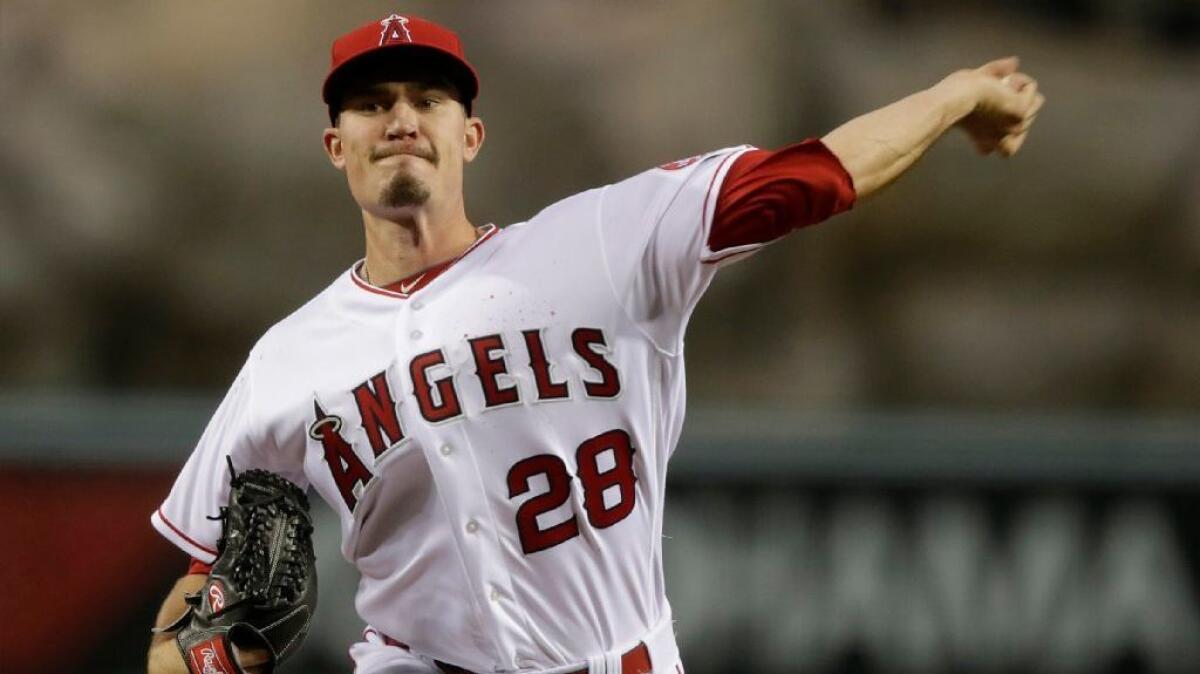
(209, 658)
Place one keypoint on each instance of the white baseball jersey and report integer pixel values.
(496, 440)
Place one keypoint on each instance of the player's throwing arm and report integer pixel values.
(994, 104)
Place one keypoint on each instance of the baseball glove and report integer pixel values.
(262, 591)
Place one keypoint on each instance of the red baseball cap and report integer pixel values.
(400, 36)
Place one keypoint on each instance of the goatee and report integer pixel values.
(404, 190)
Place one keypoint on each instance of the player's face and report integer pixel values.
(403, 144)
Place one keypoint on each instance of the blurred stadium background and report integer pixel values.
(956, 430)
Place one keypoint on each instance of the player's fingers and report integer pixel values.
(1022, 127)
(1017, 105)
(1029, 91)
(1030, 116)
(1018, 81)
(252, 657)
(1011, 144)
(1036, 106)
(1001, 67)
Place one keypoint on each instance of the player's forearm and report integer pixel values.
(877, 147)
(165, 658)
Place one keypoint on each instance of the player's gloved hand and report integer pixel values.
(1005, 103)
(252, 660)
(259, 598)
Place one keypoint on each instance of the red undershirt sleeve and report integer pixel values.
(768, 194)
(197, 566)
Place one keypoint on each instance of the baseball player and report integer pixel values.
(490, 411)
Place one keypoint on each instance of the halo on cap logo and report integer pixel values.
(395, 29)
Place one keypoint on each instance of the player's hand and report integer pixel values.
(1005, 103)
(253, 660)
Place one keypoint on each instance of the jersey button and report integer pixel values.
(446, 450)
(472, 526)
(415, 334)
(417, 305)
(495, 596)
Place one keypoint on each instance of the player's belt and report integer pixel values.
(633, 661)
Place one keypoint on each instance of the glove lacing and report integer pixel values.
(286, 582)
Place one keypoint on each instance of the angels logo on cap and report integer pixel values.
(401, 36)
(395, 29)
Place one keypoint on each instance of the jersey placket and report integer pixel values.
(510, 618)
(474, 533)
(464, 498)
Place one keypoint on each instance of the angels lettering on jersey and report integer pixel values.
(436, 396)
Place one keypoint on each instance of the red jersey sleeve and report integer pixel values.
(768, 194)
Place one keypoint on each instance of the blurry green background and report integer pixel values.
(164, 199)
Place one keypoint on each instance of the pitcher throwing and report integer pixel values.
(490, 411)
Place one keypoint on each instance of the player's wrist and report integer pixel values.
(959, 94)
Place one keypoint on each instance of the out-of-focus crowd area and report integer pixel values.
(164, 197)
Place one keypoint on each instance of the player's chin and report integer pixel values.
(404, 191)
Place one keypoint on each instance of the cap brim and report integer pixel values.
(401, 56)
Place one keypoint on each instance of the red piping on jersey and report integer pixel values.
(768, 194)
(393, 290)
(181, 534)
(707, 193)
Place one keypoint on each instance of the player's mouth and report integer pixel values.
(380, 154)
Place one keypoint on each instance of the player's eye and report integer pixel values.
(366, 104)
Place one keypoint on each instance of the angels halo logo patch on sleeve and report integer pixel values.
(679, 163)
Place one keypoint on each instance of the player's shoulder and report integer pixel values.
(315, 308)
(671, 171)
(679, 165)
(680, 170)
(661, 183)
(297, 326)
(562, 218)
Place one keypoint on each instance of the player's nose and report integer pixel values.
(402, 120)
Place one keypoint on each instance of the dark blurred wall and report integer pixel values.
(820, 543)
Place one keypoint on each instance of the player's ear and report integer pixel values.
(473, 138)
(332, 138)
